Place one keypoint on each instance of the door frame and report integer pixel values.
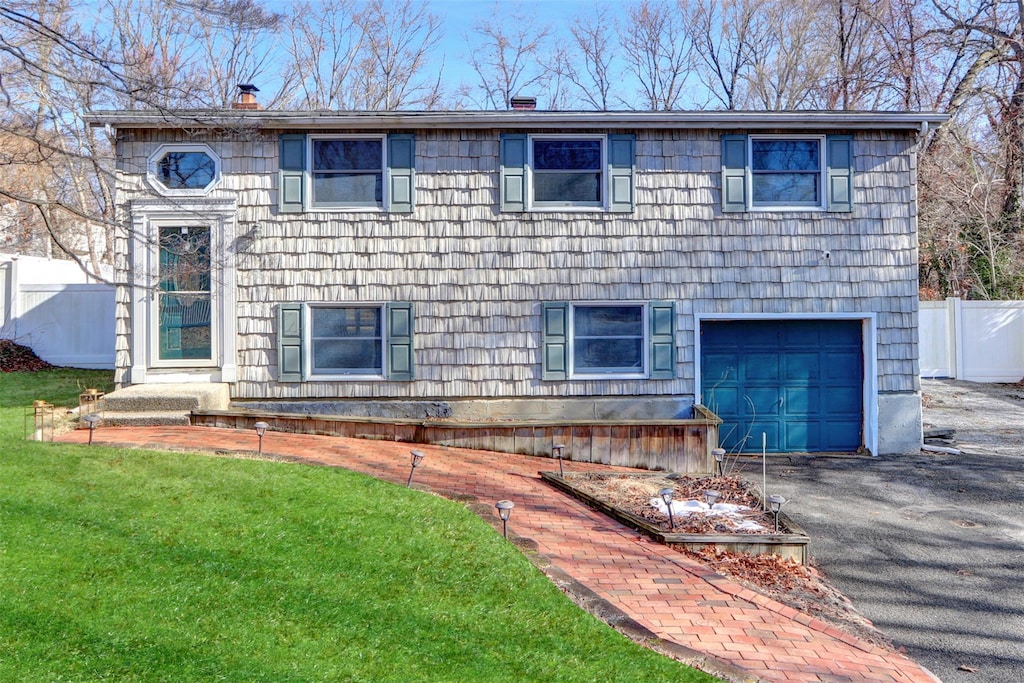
(148, 216)
(869, 352)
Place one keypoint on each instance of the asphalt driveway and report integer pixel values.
(929, 547)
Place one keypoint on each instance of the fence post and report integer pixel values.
(955, 322)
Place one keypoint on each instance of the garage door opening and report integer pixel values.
(798, 382)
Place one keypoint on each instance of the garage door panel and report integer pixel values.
(802, 366)
(721, 367)
(760, 367)
(723, 400)
(760, 402)
(800, 382)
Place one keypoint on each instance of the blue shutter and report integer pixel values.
(663, 339)
(401, 172)
(400, 341)
(839, 176)
(621, 164)
(555, 340)
(734, 173)
(289, 343)
(291, 173)
(513, 172)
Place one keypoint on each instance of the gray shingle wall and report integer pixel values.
(478, 277)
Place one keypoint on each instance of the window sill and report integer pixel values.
(345, 378)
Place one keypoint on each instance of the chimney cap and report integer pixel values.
(247, 88)
(523, 102)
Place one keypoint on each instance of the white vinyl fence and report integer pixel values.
(54, 308)
(979, 341)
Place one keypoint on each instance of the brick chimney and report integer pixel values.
(246, 97)
(520, 103)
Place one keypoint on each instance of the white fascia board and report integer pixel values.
(519, 120)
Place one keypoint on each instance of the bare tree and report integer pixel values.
(657, 51)
(725, 36)
(505, 53)
(586, 62)
(324, 48)
(785, 71)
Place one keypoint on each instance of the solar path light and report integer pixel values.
(776, 503)
(666, 497)
(261, 429)
(710, 497)
(417, 458)
(91, 420)
(719, 454)
(556, 451)
(504, 511)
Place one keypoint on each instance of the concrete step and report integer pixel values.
(145, 419)
(160, 398)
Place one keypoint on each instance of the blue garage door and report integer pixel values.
(800, 383)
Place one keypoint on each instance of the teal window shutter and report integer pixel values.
(621, 169)
(291, 173)
(734, 173)
(400, 341)
(289, 342)
(839, 176)
(513, 172)
(555, 340)
(401, 172)
(663, 339)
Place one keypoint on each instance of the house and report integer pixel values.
(763, 264)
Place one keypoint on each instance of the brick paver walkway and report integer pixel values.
(676, 598)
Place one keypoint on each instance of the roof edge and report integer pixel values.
(410, 120)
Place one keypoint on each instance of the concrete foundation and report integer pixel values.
(899, 424)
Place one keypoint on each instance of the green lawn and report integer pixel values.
(136, 565)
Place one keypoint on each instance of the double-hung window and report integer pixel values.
(346, 340)
(547, 172)
(346, 172)
(339, 341)
(787, 173)
(604, 340)
(567, 172)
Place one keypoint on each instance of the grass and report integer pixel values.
(146, 566)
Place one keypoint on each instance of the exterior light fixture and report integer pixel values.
(710, 497)
(261, 429)
(556, 451)
(417, 458)
(719, 454)
(504, 511)
(776, 503)
(91, 420)
(666, 497)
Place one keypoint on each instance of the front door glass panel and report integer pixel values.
(183, 294)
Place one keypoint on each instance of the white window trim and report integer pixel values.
(347, 208)
(307, 337)
(153, 177)
(869, 334)
(822, 171)
(645, 346)
(532, 205)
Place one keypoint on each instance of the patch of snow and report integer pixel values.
(733, 515)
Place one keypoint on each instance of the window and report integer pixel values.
(785, 172)
(775, 172)
(344, 341)
(567, 171)
(576, 172)
(346, 172)
(606, 340)
(184, 170)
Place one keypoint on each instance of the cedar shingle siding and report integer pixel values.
(477, 277)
